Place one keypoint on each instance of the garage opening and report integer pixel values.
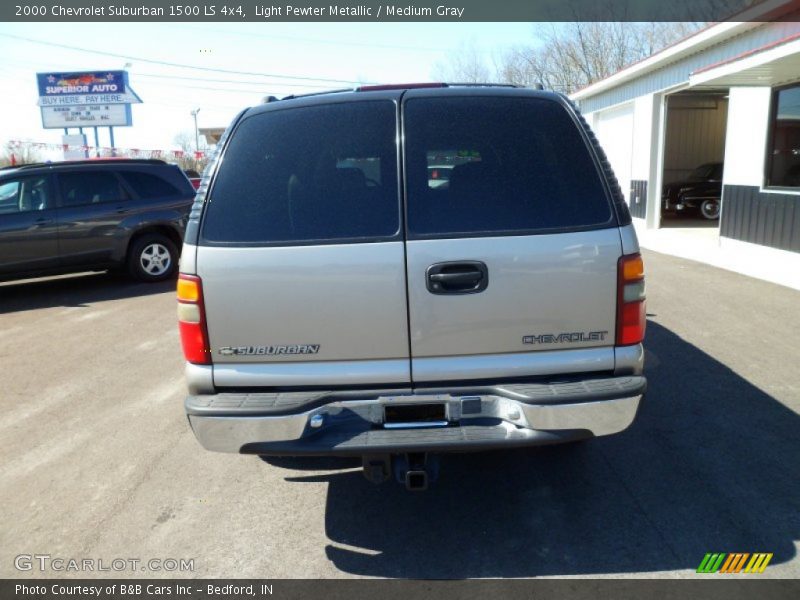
(694, 151)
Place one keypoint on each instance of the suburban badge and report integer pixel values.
(269, 350)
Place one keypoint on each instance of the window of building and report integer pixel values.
(784, 149)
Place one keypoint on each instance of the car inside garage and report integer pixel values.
(694, 151)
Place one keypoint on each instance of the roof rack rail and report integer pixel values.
(309, 94)
(26, 166)
(394, 86)
(399, 86)
(87, 161)
(473, 84)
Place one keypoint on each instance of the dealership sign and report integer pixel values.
(87, 115)
(85, 99)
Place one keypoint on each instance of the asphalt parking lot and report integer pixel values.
(99, 462)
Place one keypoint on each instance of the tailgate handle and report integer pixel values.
(459, 277)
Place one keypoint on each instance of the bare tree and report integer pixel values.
(601, 40)
(465, 64)
(570, 56)
(185, 141)
(19, 154)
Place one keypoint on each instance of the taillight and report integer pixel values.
(192, 321)
(631, 315)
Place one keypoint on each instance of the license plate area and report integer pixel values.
(417, 414)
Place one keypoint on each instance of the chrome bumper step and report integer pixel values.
(352, 422)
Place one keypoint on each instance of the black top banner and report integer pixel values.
(382, 11)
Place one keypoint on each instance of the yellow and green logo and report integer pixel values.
(734, 562)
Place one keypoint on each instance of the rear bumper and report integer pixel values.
(352, 423)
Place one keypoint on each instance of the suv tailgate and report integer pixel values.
(512, 263)
(301, 253)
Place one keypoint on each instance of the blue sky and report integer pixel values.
(369, 52)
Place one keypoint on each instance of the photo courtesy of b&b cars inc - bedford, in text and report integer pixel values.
(404, 300)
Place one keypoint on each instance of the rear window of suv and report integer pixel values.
(308, 174)
(479, 165)
(147, 185)
(79, 188)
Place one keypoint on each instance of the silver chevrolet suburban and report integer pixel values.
(340, 294)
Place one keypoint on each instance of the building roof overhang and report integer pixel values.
(712, 35)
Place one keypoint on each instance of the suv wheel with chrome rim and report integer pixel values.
(152, 257)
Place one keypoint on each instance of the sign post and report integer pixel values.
(75, 146)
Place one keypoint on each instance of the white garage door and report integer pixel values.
(614, 128)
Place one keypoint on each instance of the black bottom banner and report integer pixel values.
(297, 589)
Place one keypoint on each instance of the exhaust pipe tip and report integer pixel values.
(416, 481)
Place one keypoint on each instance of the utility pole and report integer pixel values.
(196, 133)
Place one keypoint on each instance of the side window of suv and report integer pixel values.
(308, 174)
(90, 187)
(147, 185)
(24, 195)
(477, 165)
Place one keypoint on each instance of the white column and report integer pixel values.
(746, 138)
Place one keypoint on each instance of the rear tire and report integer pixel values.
(152, 257)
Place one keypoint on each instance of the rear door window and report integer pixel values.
(487, 166)
(80, 188)
(306, 175)
(147, 185)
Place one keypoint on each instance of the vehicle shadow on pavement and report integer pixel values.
(74, 291)
(710, 465)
